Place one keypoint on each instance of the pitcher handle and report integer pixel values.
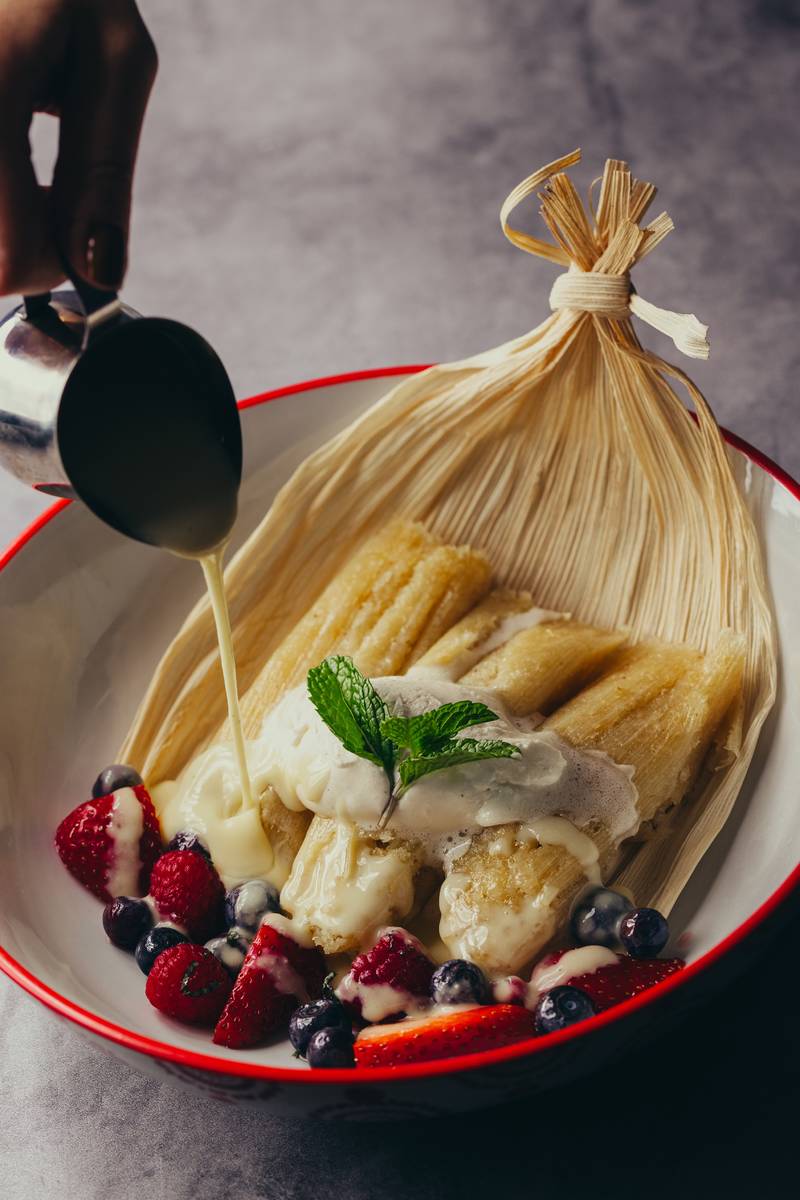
(99, 305)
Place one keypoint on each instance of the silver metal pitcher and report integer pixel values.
(133, 415)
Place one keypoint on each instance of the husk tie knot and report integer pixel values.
(599, 255)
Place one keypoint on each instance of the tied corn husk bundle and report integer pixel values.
(568, 458)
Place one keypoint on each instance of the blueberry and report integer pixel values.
(331, 1048)
(595, 916)
(118, 775)
(230, 949)
(126, 921)
(459, 982)
(187, 840)
(159, 938)
(644, 933)
(246, 904)
(561, 1007)
(311, 1018)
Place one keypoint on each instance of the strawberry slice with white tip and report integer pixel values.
(281, 969)
(110, 844)
(611, 982)
(443, 1035)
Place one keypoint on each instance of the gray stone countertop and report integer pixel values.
(318, 192)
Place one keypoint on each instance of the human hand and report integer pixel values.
(91, 63)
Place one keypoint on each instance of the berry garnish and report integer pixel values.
(247, 904)
(612, 982)
(611, 985)
(447, 1036)
(391, 979)
(126, 921)
(185, 839)
(280, 970)
(561, 1007)
(112, 778)
(511, 990)
(459, 982)
(154, 942)
(187, 889)
(110, 844)
(230, 949)
(331, 1047)
(189, 984)
(325, 1013)
(644, 933)
(596, 915)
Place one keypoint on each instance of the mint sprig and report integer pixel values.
(416, 746)
(352, 710)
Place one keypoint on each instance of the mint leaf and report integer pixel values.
(455, 754)
(433, 730)
(352, 709)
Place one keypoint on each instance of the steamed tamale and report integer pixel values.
(656, 711)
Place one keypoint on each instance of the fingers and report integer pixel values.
(32, 37)
(29, 260)
(111, 71)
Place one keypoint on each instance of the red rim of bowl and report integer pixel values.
(293, 1076)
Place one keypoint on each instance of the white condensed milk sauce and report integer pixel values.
(550, 788)
(125, 829)
(215, 795)
(215, 584)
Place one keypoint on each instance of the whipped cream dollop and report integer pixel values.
(305, 763)
(310, 768)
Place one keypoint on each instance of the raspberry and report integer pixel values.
(397, 960)
(187, 889)
(397, 969)
(189, 984)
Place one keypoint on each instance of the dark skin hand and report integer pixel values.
(92, 64)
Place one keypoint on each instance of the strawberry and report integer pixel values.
(189, 984)
(388, 980)
(278, 973)
(616, 981)
(187, 889)
(110, 844)
(447, 1036)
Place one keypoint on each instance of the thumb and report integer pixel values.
(111, 72)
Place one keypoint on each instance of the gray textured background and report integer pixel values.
(318, 191)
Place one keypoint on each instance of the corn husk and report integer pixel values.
(567, 457)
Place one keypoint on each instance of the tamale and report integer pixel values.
(656, 712)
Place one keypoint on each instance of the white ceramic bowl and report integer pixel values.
(84, 618)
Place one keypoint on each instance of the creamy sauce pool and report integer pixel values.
(562, 789)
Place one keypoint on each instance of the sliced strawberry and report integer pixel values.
(449, 1035)
(611, 985)
(278, 973)
(110, 844)
(186, 888)
(614, 982)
